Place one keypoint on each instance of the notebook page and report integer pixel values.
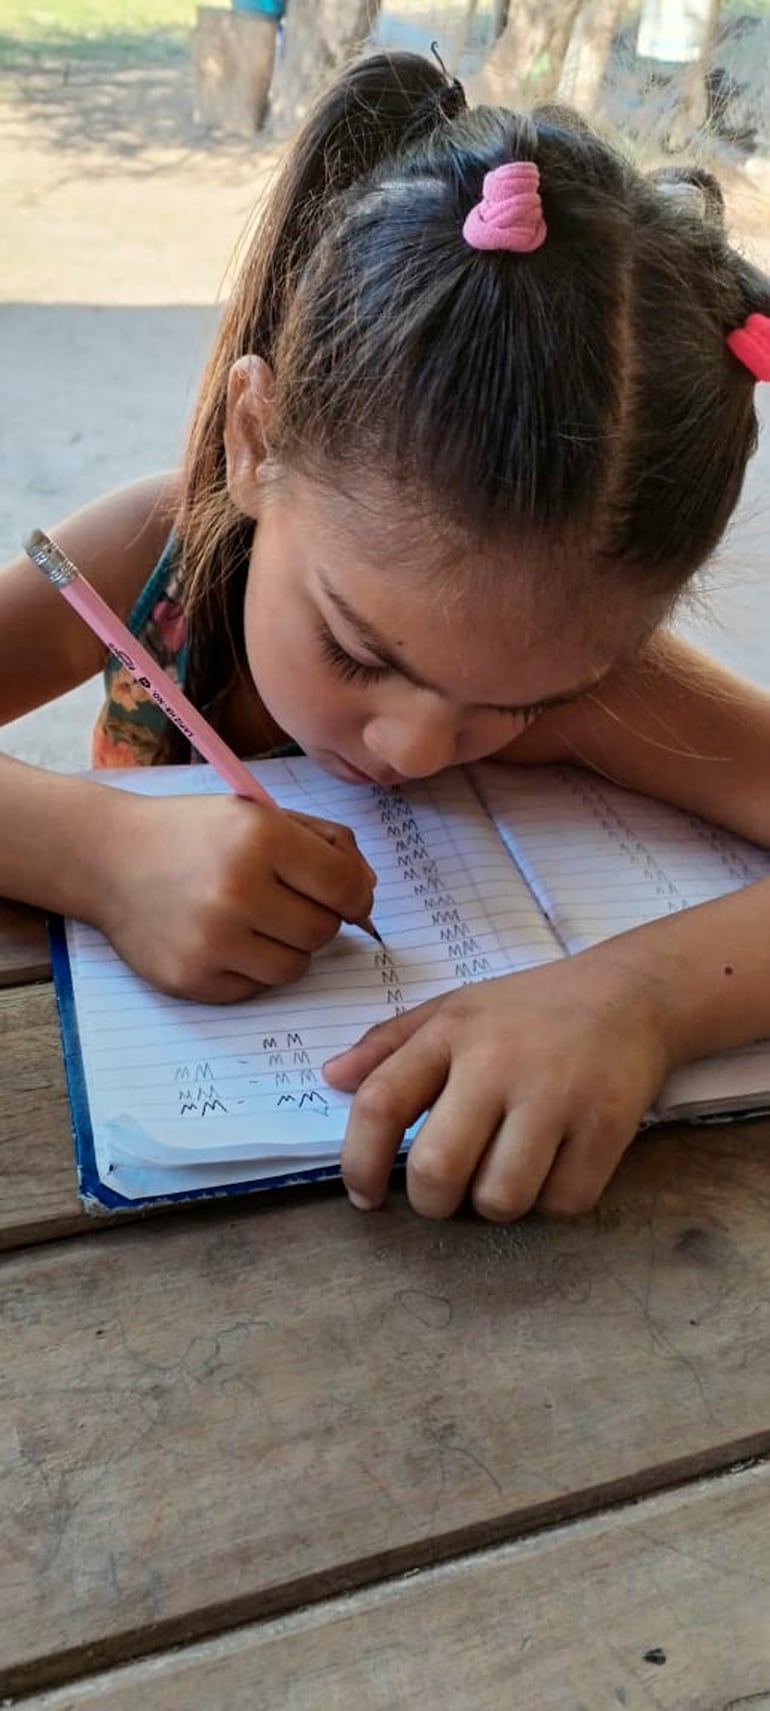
(732, 1081)
(175, 1085)
(601, 860)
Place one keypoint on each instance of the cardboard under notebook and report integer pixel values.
(481, 872)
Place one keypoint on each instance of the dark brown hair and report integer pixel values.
(582, 393)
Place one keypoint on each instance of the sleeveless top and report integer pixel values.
(131, 729)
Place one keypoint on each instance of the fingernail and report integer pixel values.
(359, 1202)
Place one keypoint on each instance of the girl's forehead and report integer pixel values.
(411, 574)
(469, 647)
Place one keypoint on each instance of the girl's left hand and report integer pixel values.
(535, 1084)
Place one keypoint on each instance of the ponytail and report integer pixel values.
(382, 104)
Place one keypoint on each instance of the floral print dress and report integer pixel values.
(131, 729)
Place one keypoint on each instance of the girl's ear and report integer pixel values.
(247, 424)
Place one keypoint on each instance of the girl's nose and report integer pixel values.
(416, 743)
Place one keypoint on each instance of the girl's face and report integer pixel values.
(384, 657)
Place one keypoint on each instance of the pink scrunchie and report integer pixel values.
(751, 344)
(510, 213)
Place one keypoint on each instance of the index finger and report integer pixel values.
(349, 1068)
(385, 1106)
(333, 832)
(332, 873)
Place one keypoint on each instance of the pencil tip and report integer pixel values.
(369, 927)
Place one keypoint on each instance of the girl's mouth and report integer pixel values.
(355, 774)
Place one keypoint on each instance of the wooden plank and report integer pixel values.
(37, 1162)
(24, 954)
(216, 1417)
(662, 1607)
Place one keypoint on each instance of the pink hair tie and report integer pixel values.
(510, 213)
(751, 344)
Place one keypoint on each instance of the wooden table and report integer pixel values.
(281, 1455)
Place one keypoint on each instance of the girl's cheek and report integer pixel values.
(488, 733)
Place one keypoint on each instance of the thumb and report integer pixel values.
(351, 1067)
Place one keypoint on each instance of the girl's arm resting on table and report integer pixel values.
(55, 829)
(671, 723)
(707, 970)
(45, 648)
(56, 833)
(536, 1083)
(208, 897)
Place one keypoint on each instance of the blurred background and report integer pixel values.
(138, 138)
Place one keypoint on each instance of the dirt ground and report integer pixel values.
(119, 221)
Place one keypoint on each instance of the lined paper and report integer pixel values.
(601, 860)
(174, 1087)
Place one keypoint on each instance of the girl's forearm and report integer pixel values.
(56, 835)
(673, 724)
(706, 971)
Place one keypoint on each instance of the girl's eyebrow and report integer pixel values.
(387, 656)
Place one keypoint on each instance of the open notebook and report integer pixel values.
(480, 872)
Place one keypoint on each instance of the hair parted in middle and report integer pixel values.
(581, 394)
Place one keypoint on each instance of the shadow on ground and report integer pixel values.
(125, 96)
(122, 103)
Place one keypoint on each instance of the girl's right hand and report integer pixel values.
(215, 898)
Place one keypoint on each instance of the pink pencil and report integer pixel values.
(111, 630)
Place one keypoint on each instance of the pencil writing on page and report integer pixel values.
(88, 603)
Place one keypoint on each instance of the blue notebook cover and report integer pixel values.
(92, 1190)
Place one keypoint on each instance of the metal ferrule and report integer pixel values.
(50, 559)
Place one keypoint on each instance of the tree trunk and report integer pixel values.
(588, 53)
(679, 34)
(233, 58)
(525, 64)
(320, 36)
(461, 35)
(694, 110)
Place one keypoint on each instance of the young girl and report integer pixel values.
(480, 406)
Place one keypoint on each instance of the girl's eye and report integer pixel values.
(353, 670)
(527, 714)
(357, 671)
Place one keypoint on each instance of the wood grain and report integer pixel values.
(213, 1418)
(37, 1161)
(662, 1607)
(24, 953)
